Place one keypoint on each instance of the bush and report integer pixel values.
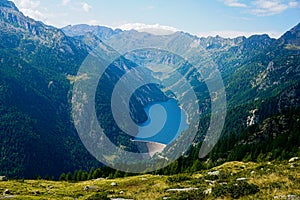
(178, 178)
(235, 189)
(192, 195)
(98, 196)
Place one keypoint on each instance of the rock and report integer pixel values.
(224, 183)
(182, 189)
(99, 179)
(6, 192)
(90, 188)
(214, 173)
(114, 184)
(241, 179)
(144, 179)
(208, 191)
(3, 178)
(121, 192)
(36, 192)
(288, 197)
(120, 199)
(294, 159)
(253, 172)
(210, 182)
(292, 197)
(165, 198)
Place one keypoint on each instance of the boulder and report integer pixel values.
(214, 173)
(241, 179)
(294, 159)
(36, 192)
(208, 191)
(182, 189)
(6, 192)
(114, 184)
(90, 188)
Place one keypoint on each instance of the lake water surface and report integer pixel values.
(165, 123)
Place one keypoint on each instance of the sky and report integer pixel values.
(227, 18)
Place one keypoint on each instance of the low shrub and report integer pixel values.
(98, 196)
(191, 195)
(178, 178)
(235, 189)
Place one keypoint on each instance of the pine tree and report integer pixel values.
(97, 173)
(62, 177)
(90, 175)
(84, 176)
(69, 177)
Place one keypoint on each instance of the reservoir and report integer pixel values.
(165, 123)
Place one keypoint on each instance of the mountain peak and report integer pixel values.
(292, 36)
(296, 28)
(8, 4)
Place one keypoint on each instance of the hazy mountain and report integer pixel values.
(82, 29)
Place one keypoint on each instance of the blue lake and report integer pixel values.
(165, 123)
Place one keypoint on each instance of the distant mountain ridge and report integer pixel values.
(82, 29)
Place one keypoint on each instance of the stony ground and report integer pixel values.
(233, 180)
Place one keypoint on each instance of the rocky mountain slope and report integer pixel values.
(37, 65)
(38, 62)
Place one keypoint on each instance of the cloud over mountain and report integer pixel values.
(156, 29)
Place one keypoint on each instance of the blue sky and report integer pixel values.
(227, 18)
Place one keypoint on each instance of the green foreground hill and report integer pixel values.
(232, 180)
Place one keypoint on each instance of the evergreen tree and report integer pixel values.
(62, 177)
(69, 177)
(90, 175)
(97, 173)
(84, 176)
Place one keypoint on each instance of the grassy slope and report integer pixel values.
(272, 179)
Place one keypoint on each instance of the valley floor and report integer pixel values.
(232, 180)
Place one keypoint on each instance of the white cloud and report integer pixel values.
(264, 7)
(65, 2)
(272, 7)
(93, 22)
(234, 34)
(35, 14)
(155, 29)
(269, 7)
(86, 7)
(294, 4)
(31, 8)
(234, 3)
(29, 4)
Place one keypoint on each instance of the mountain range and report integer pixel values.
(38, 62)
